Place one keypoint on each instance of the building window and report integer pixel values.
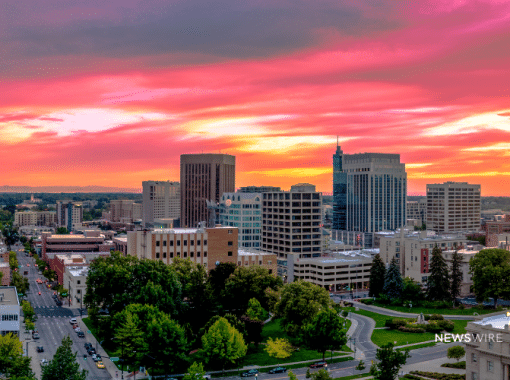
(164, 243)
(192, 242)
(191, 254)
(491, 345)
(178, 243)
(230, 243)
(474, 376)
(205, 242)
(157, 243)
(229, 253)
(185, 243)
(205, 254)
(269, 262)
(239, 263)
(198, 242)
(490, 366)
(157, 255)
(473, 357)
(229, 231)
(164, 255)
(171, 243)
(198, 254)
(78, 291)
(78, 282)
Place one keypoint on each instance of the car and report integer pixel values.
(319, 364)
(40, 349)
(278, 370)
(81, 334)
(77, 330)
(251, 372)
(28, 265)
(35, 336)
(207, 377)
(75, 326)
(72, 321)
(100, 365)
(44, 362)
(59, 303)
(96, 357)
(39, 293)
(91, 351)
(87, 345)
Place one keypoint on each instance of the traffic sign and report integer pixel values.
(114, 359)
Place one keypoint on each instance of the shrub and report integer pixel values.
(459, 365)
(410, 329)
(395, 323)
(367, 301)
(434, 317)
(440, 376)
(433, 328)
(396, 302)
(461, 306)
(411, 377)
(446, 325)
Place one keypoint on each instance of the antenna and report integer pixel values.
(336, 140)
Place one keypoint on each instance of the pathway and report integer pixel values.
(393, 313)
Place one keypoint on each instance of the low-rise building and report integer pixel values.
(89, 241)
(75, 280)
(35, 218)
(9, 310)
(61, 262)
(349, 270)
(120, 244)
(488, 348)
(265, 260)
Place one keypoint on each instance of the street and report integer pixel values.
(52, 324)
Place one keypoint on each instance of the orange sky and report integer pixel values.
(111, 95)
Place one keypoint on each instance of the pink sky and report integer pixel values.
(112, 95)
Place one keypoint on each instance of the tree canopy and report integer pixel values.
(12, 362)
(326, 332)
(63, 366)
(439, 279)
(222, 344)
(390, 361)
(456, 275)
(393, 284)
(377, 275)
(491, 274)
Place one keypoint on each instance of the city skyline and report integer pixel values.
(104, 95)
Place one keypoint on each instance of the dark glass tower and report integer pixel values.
(339, 191)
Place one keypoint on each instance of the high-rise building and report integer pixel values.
(69, 214)
(125, 211)
(291, 224)
(417, 211)
(204, 178)
(161, 200)
(243, 210)
(453, 207)
(375, 192)
(339, 191)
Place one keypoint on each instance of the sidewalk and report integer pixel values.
(433, 366)
(393, 313)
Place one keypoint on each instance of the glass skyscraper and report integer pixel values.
(339, 191)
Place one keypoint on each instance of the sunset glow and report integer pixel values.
(112, 95)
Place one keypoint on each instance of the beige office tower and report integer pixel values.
(204, 178)
(161, 200)
(453, 207)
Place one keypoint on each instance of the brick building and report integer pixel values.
(61, 262)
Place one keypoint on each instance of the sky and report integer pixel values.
(98, 93)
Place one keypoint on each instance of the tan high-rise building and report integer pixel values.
(161, 200)
(453, 207)
(204, 177)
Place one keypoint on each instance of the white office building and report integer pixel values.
(161, 200)
(9, 310)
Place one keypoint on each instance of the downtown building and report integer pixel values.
(204, 179)
(369, 194)
(453, 207)
(161, 200)
(69, 214)
(125, 211)
(291, 224)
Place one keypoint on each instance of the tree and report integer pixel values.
(218, 277)
(412, 290)
(279, 348)
(292, 376)
(195, 372)
(326, 332)
(377, 276)
(491, 274)
(130, 342)
(299, 304)
(63, 366)
(253, 329)
(21, 283)
(62, 231)
(390, 361)
(255, 310)
(12, 362)
(439, 279)
(13, 260)
(321, 374)
(456, 275)
(456, 352)
(360, 366)
(222, 344)
(393, 284)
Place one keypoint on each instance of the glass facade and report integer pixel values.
(339, 192)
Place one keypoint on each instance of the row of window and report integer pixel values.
(184, 254)
(185, 243)
(9, 317)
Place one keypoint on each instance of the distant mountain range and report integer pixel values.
(67, 189)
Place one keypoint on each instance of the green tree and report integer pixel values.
(390, 361)
(360, 366)
(222, 344)
(131, 345)
(292, 376)
(326, 332)
(300, 302)
(491, 273)
(231, 319)
(12, 362)
(321, 374)
(438, 288)
(377, 276)
(456, 352)
(456, 275)
(195, 372)
(62, 231)
(23, 239)
(253, 329)
(13, 260)
(218, 277)
(28, 311)
(255, 310)
(279, 348)
(393, 283)
(247, 283)
(21, 283)
(63, 366)
(412, 290)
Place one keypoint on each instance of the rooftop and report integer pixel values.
(78, 271)
(8, 296)
(496, 321)
(242, 252)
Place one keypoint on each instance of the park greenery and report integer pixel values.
(456, 352)
(164, 317)
(389, 362)
(63, 366)
(13, 365)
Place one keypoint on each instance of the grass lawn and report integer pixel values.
(382, 337)
(354, 376)
(424, 310)
(258, 356)
(379, 319)
(416, 346)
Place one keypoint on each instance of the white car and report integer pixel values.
(77, 330)
(44, 362)
(73, 321)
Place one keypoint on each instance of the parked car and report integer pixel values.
(318, 364)
(35, 335)
(44, 362)
(96, 357)
(100, 365)
(91, 351)
(278, 370)
(77, 330)
(40, 349)
(87, 345)
(251, 372)
(81, 334)
(59, 303)
(72, 321)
